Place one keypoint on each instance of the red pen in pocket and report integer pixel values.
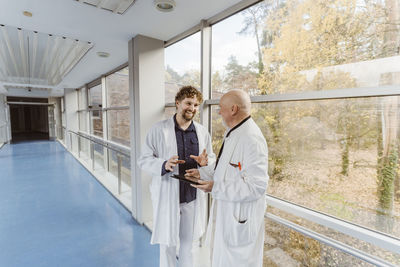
(236, 165)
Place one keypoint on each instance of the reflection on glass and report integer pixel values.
(182, 66)
(125, 167)
(286, 247)
(96, 117)
(296, 241)
(291, 46)
(118, 88)
(83, 121)
(84, 149)
(95, 96)
(82, 99)
(98, 156)
(336, 156)
(118, 126)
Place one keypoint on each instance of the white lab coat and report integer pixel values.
(235, 232)
(160, 145)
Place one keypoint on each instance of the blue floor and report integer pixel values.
(54, 213)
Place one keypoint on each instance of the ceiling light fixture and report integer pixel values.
(165, 5)
(27, 14)
(103, 54)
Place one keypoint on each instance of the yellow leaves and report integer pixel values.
(314, 34)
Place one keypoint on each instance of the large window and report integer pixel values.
(337, 155)
(95, 110)
(95, 96)
(182, 66)
(292, 46)
(237, 55)
(117, 87)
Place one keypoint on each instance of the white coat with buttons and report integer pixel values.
(160, 145)
(235, 233)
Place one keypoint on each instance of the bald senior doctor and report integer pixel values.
(179, 210)
(238, 182)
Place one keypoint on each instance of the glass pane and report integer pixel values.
(297, 241)
(95, 96)
(96, 120)
(237, 52)
(83, 121)
(125, 168)
(84, 149)
(182, 66)
(118, 126)
(98, 156)
(290, 46)
(82, 99)
(286, 247)
(118, 88)
(339, 157)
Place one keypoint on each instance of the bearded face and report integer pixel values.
(187, 108)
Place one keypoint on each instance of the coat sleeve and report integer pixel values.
(251, 182)
(149, 159)
(207, 172)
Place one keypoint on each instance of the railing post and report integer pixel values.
(119, 159)
(92, 153)
(79, 145)
(70, 140)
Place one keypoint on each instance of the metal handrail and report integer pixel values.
(330, 242)
(106, 144)
(379, 239)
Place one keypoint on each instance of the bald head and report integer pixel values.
(239, 98)
(235, 106)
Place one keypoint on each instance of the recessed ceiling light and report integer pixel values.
(165, 5)
(103, 54)
(27, 14)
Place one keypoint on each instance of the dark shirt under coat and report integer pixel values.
(187, 144)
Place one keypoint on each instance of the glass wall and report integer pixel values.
(118, 121)
(117, 88)
(95, 96)
(336, 155)
(182, 66)
(278, 47)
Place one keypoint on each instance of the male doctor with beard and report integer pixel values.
(238, 182)
(172, 146)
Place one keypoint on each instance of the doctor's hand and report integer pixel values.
(206, 186)
(201, 159)
(172, 162)
(193, 173)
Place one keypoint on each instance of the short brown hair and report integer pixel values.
(188, 92)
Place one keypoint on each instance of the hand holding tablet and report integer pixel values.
(187, 179)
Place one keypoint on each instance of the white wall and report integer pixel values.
(146, 94)
(71, 117)
(3, 120)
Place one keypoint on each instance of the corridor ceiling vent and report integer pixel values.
(115, 6)
(36, 91)
(165, 5)
(103, 54)
(33, 58)
(30, 89)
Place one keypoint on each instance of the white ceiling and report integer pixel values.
(107, 31)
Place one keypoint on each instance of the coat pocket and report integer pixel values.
(240, 229)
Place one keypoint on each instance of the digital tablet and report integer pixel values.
(185, 179)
